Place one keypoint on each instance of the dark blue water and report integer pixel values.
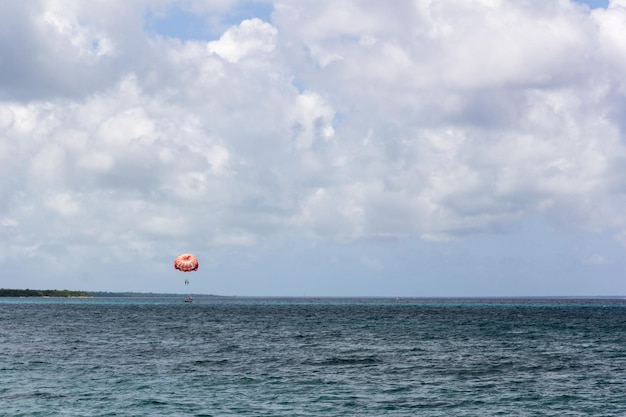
(133, 357)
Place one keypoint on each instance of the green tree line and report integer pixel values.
(5, 292)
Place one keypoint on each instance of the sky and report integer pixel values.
(423, 148)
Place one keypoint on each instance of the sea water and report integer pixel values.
(312, 357)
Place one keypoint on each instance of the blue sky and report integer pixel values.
(315, 148)
(595, 3)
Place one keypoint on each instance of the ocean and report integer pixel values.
(312, 357)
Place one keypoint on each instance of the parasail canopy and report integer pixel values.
(186, 263)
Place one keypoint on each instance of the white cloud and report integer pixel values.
(125, 127)
(8, 222)
(86, 41)
(63, 203)
(312, 119)
(218, 157)
(611, 26)
(250, 37)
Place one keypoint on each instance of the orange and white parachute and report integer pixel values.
(186, 263)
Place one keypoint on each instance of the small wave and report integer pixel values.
(339, 361)
(202, 362)
(30, 395)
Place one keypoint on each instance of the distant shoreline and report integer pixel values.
(22, 293)
(7, 292)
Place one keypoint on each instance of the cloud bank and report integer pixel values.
(336, 122)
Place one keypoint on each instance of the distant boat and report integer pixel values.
(189, 299)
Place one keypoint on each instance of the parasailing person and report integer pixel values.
(186, 263)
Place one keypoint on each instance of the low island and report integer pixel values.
(20, 293)
(5, 292)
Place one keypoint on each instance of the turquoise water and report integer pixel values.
(304, 357)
